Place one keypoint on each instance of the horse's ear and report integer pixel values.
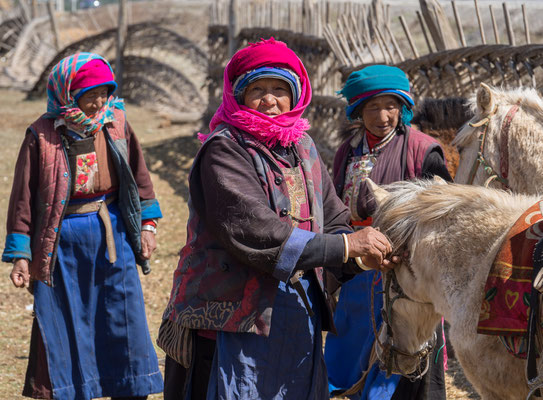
(486, 99)
(438, 180)
(379, 194)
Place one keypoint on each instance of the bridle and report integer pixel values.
(389, 349)
(504, 150)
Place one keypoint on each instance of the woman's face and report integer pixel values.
(92, 101)
(269, 96)
(381, 115)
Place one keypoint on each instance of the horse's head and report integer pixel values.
(501, 144)
(407, 335)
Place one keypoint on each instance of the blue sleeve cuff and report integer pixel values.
(150, 209)
(291, 253)
(17, 246)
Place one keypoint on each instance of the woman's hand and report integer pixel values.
(373, 247)
(19, 274)
(148, 244)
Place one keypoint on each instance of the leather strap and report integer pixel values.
(504, 141)
(100, 207)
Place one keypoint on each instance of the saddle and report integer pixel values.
(513, 290)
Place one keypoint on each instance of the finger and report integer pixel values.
(396, 259)
(384, 241)
(16, 279)
(26, 280)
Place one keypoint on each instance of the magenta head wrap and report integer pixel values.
(286, 128)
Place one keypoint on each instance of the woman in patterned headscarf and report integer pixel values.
(264, 222)
(384, 147)
(82, 210)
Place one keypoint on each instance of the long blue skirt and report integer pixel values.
(93, 321)
(347, 353)
(288, 364)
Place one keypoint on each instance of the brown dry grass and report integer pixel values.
(169, 150)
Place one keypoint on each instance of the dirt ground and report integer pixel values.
(169, 150)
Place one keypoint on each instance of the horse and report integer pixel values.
(452, 234)
(502, 145)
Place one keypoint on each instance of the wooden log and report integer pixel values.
(494, 25)
(362, 38)
(423, 28)
(480, 22)
(458, 24)
(438, 25)
(408, 36)
(526, 25)
(510, 33)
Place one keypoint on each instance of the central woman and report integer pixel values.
(264, 222)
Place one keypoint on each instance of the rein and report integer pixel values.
(504, 150)
(390, 350)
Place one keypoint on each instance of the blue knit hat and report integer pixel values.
(377, 80)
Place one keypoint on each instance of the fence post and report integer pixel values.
(121, 39)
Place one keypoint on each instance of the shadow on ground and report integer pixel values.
(171, 159)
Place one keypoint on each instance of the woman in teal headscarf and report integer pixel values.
(384, 147)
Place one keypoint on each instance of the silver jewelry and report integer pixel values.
(149, 228)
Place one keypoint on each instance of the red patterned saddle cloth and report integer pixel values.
(506, 305)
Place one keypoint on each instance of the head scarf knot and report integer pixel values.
(286, 128)
(66, 85)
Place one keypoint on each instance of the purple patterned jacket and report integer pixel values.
(214, 287)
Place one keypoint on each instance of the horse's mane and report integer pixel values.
(411, 203)
(528, 99)
(439, 114)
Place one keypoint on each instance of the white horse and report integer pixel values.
(453, 233)
(502, 145)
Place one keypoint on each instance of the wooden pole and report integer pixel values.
(232, 27)
(480, 22)
(121, 41)
(423, 28)
(510, 33)
(458, 24)
(526, 26)
(54, 26)
(394, 42)
(408, 35)
(494, 25)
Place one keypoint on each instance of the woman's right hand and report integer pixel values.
(372, 246)
(19, 274)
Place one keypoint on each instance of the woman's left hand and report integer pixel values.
(148, 244)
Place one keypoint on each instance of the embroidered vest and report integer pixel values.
(53, 191)
(401, 159)
(211, 289)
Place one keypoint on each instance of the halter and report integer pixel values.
(390, 350)
(504, 150)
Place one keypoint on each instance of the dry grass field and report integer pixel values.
(168, 150)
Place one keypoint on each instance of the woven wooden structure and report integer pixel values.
(160, 67)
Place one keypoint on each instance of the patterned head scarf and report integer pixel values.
(62, 104)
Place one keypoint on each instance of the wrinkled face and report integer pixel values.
(269, 96)
(92, 101)
(381, 115)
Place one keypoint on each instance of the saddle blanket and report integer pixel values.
(506, 305)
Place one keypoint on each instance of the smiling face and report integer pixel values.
(92, 101)
(269, 96)
(381, 114)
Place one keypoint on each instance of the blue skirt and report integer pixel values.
(347, 353)
(92, 321)
(288, 364)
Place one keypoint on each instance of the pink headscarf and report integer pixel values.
(286, 128)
